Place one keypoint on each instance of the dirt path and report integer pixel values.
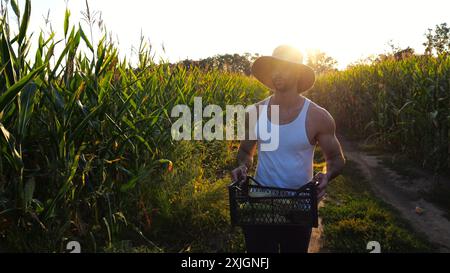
(316, 242)
(403, 194)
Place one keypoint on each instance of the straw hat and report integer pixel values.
(263, 66)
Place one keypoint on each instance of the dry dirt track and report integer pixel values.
(316, 243)
(402, 193)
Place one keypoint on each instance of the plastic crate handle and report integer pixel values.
(253, 179)
(312, 183)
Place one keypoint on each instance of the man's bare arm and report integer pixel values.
(247, 146)
(330, 145)
(246, 152)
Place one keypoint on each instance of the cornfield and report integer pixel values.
(403, 105)
(84, 131)
(86, 151)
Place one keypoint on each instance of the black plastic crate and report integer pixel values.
(255, 204)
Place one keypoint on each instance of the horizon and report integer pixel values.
(187, 36)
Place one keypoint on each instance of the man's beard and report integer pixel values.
(284, 86)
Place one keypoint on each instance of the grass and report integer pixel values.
(353, 216)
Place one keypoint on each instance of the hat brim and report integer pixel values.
(263, 66)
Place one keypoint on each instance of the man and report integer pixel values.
(301, 125)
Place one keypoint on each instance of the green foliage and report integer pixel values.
(86, 144)
(320, 62)
(349, 226)
(403, 105)
(234, 63)
(192, 200)
(438, 40)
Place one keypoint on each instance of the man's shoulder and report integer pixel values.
(321, 117)
(261, 102)
(254, 106)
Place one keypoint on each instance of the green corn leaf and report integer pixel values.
(86, 40)
(66, 22)
(26, 108)
(12, 147)
(78, 130)
(8, 57)
(61, 57)
(29, 190)
(15, 8)
(10, 94)
(100, 61)
(50, 53)
(25, 21)
(129, 185)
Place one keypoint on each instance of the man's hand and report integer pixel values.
(239, 174)
(322, 182)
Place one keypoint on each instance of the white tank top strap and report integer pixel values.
(301, 117)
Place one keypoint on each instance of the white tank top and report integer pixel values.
(291, 164)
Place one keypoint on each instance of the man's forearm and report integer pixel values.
(244, 158)
(334, 167)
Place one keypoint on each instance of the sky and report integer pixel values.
(347, 30)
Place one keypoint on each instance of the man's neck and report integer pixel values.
(287, 99)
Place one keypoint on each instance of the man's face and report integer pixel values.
(284, 77)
